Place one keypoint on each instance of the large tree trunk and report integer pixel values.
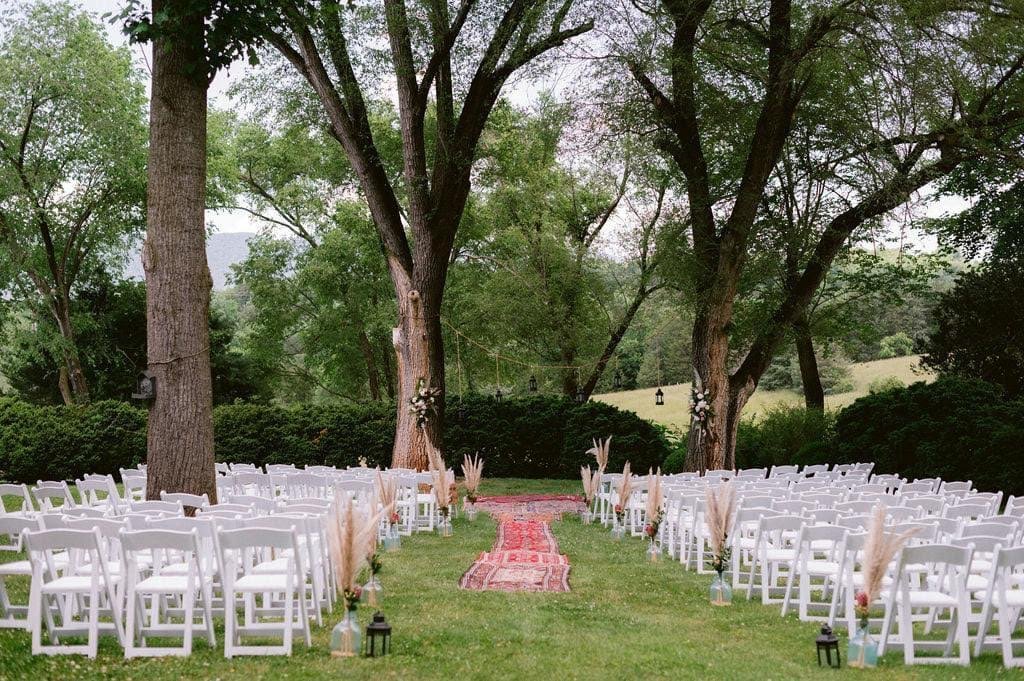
(74, 387)
(814, 393)
(178, 283)
(419, 353)
(707, 445)
(371, 365)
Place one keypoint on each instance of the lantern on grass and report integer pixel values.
(659, 397)
(498, 395)
(378, 633)
(827, 641)
(533, 384)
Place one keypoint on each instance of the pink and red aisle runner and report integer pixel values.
(525, 555)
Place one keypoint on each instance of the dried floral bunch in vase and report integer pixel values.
(880, 548)
(386, 487)
(721, 506)
(591, 484)
(352, 537)
(440, 484)
(625, 491)
(600, 451)
(473, 472)
(653, 506)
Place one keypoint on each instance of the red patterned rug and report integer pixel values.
(525, 555)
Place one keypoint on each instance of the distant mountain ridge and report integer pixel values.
(223, 250)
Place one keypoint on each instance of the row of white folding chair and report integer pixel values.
(100, 492)
(19, 495)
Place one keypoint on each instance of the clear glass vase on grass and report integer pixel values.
(372, 590)
(720, 592)
(653, 551)
(863, 649)
(445, 527)
(393, 539)
(469, 507)
(346, 637)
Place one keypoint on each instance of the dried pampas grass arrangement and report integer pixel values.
(880, 548)
(440, 481)
(655, 497)
(387, 495)
(600, 450)
(625, 491)
(473, 471)
(591, 484)
(352, 538)
(721, 505)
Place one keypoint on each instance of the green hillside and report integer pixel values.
(674, 411)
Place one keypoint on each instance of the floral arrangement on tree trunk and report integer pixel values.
(653, 511)
(880, 548)
(700, 409)
(473, 472)
(352, 537)
(424, 403)
(600, 451)
(625, 491)
(720, 507)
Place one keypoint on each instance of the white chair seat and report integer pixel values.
(1014, 598)
(73, 584)
(17, 568)
(260, 583)
(931, 599)
(780, 554)
(822, 567)
(163, 583)
(112, 569)
(278, 566)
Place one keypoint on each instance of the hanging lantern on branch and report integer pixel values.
(659, 397)
(533, 384)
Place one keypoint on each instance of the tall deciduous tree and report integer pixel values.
(455, 60)
(72, 158)
(912, 91)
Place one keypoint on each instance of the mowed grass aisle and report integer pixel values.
(624, 619)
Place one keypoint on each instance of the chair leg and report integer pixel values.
(906, 632)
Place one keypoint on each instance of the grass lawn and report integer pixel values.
(674, 412)
(624, 619)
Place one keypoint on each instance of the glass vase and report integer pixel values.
(618, 530)
(653, 552)
(346, 636)
(863, 650)
(721, 590)
(470, 509)
(372, 592)
(393, 539)
(586, 517)
(445, 526)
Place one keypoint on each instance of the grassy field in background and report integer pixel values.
(624, 619)
(674, 412)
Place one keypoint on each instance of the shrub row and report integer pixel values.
(954, 428)
(531, 437)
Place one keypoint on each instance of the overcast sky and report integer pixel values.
(241, 222)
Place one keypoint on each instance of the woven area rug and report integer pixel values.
(525, 555)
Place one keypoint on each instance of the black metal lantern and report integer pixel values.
(828, 642)
(498, 395)
(617, 380)
(533, 384)
(580, 396)
(378, 631)
(659, 397)
(146, 387)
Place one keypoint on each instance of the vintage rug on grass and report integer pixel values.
(525, 555)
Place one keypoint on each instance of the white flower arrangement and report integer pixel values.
(424, 403)
(700, 410)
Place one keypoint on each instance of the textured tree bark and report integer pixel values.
(371, 365)
(419, 350)
(178, 283)
(706, 450)
(814, 393)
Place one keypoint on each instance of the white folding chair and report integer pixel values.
(774, 550)
(950, 566)
(186, 500)
(20, 495)
(149, 587)
(12, 615)
(1003, 601)
(50, 495)
(50, 584)
(241, 551)
(818, 565)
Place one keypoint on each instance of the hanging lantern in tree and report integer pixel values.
(580, 396)
(533, 384)
(617, 380)
(378, 631)
(659, 397)
(498, 395)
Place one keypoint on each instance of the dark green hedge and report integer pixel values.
(530, 437)
(954, 428)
